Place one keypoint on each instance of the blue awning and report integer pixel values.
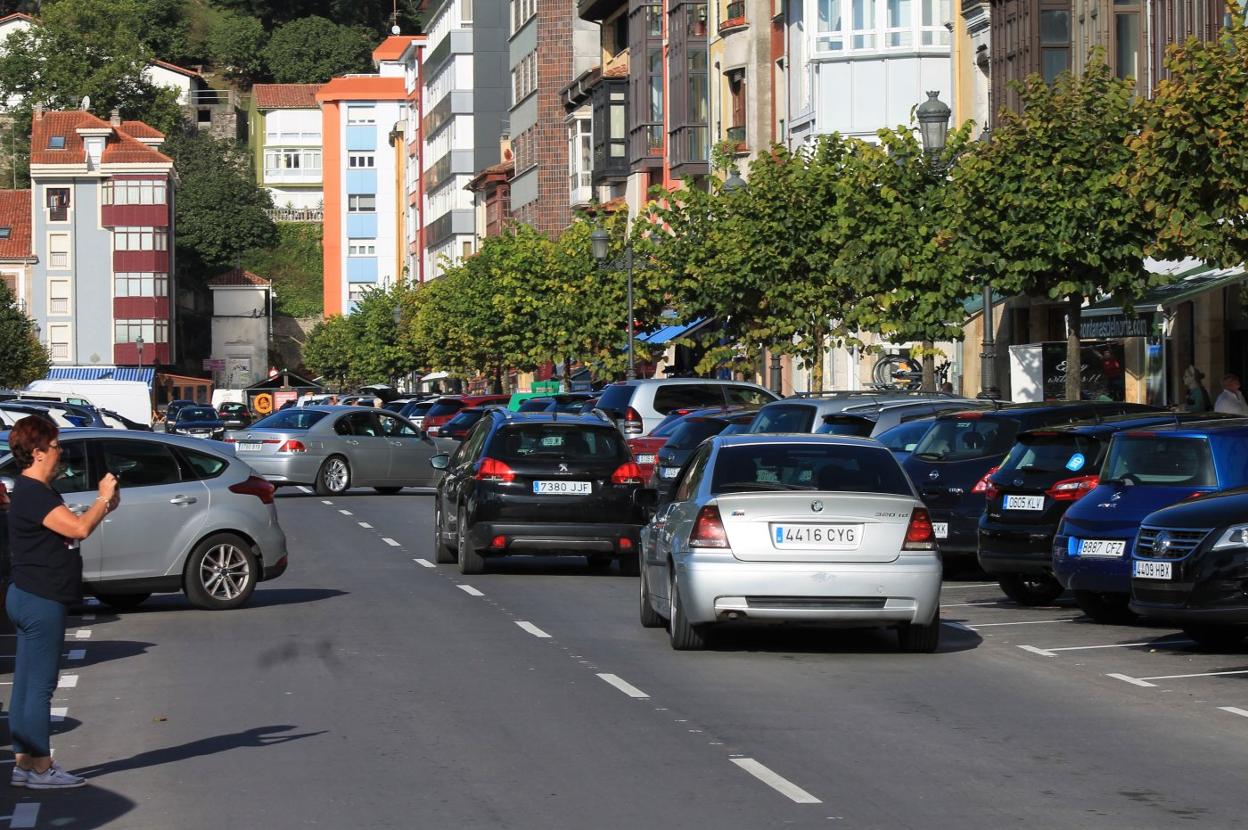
(146, 374)
(669, 333)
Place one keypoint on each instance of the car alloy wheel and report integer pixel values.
(221, 573)
(334, 477)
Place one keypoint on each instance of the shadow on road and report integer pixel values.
(81, 809)
(262, 598)
(808, 639)
(259, 736)
(548, 566)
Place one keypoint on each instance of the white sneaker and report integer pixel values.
(18, 778)
(54, 779)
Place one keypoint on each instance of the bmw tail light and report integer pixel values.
(985, 486)
(919, 533)
(708, 529)
(255, 486)
(1072, 489)
(491, 469)
(292, 445)
(632, 422)
(627, 473)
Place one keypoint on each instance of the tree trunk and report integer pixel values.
(929, 368)
(567, 374)
(1074, 363)
(816, 366)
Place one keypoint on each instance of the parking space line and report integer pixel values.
(532, 629)
(82, 634)
(1021, 622)
(424, 563)
(59, 713)
(959, 626)
(777, 782)
(470, 591)
(24, 815)
(1197, 674)
(1235, 710)
(624, 686)
(1043, 652)
(1132, 680)
(1051, 652)
(307, 490)
(390, 542)
(67, 681)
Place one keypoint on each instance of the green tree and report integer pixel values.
(236, 46)
(1041, 209)
(295, 264)
(312, 50)
(1191, 155)
(220, 212)
(380, 353)
(330, 349)
(25, 359)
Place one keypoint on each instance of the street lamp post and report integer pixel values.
(600, 241)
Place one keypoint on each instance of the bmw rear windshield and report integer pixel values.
(1160, 461)
(967, 438)
(751, 468)
(289, 419)
(557, 442)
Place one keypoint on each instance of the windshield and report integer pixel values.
(444, 408)
(535, 405)
(693, 431)
(965, 439)
(290, 419)
(846, 425)
(464, 419)
(233, 407)
(1160, 461)
(557, 441)
(197, 413)
(819, 467)
(904, 437)
(1060, 454)
(784, 418)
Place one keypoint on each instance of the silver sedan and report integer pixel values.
(335, 448)
(801, 529)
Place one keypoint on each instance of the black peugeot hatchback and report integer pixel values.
(534, 484)
(1046, 471)
(951, 463)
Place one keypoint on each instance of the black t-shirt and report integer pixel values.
(44, 563)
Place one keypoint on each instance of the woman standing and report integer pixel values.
(46, 578)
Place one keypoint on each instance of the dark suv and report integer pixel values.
(1045, 472)
(533, 484)
(951, 463)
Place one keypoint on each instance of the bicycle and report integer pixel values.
(895, 371)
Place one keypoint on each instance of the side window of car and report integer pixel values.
(747, 396)
(395, 428)
(140, 463)
(470, 448)
(686, 396)
(73, 478)
(688, 484)
(202, 465)
(365, 424)
(343, 426)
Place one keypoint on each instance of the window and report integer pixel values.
(829, 29)
(5, 231)
(1054, 43)
(619, 34)
(152, 331)
(897, 23)
(140, 239)
(361, 247)
(58, 250)
(784, 418)
(1127, 40)
(134, 192)
(933, 32)
(524, 77)
(357, 290)
(58, 204)
(141, 463)
(202, 464)
(361, 160)
(864, 24)
(58, 340)
(58, 297)
(466, 251)
(141, 285)
(362, 203)
(361, 115)
(580, 158)
(521, 12)
(736, 90)
(56, 142)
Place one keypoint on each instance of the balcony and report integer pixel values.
(306, 215)
(733, 17)
(736, 141)
(289, 175)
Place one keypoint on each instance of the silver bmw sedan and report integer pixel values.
(335, 448)
(791, 528)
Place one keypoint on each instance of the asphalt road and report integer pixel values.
(369, 688)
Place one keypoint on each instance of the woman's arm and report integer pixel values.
(65, 522)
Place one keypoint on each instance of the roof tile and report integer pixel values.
(285, 96)
(238, 276)
(120, 147)
(15, 215)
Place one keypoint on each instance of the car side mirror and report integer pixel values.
(440, 461)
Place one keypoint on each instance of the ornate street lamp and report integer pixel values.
(933, 115)
(600, 244)
(733, 183)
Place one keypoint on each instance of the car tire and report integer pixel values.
(1030, 589)
(684, 635)
(334, 476)
(1216, 637)
(649, 617)
(470, 561)
(920, 639)
(1110, 609)
(388, 491)
(630, 564)
(443, 553)
(221, 573)
(122, 602)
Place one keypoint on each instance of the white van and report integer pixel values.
(130, 398)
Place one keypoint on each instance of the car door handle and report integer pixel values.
(183, 500)
(77, 509)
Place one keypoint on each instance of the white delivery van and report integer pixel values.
(220, 396)
(130, 398)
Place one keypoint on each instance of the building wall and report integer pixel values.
(238, 337)
(294, 130)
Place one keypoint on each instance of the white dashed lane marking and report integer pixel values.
(470, 591)
(326, 501)
(624, 686)
(59, 713)
(82, 634)
(390, 542)
(532, 629)
(777, 782)
(1235, 710)
(67, 681)
(307, 490)
(1135, 681)
(345, 512)
(24, 815)
(424, 563)
(366, 525)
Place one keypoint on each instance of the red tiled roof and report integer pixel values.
(362, 88)
(393, 47)
(238, 277)
(620, 70)
(17, 16)
(285, 96)
(15, 215)
(181, 70)
(119, 148)
(140, 129)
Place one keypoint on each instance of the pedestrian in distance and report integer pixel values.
(1231, 401)
(46, 578)
(1197, 395)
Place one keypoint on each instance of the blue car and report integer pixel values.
(1145, 470)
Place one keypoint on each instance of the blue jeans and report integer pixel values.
(40, 625)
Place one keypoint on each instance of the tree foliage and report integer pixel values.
(236, 46)
(329, 351)
(371, 14)
(25, 359)
(295, 264)
(311, 50)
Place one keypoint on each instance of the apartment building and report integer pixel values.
(747, 65)
(464, 104)
(102, 229)
(284, 123)
(365, 198)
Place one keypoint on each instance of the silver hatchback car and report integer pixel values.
(193, 518)
(338, 447)
(801, 529)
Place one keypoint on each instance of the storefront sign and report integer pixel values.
(1115, 325)
(1101, 374)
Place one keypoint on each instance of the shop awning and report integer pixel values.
(145, 374)
(1191, 278)
(669, 333)
(434, 376)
